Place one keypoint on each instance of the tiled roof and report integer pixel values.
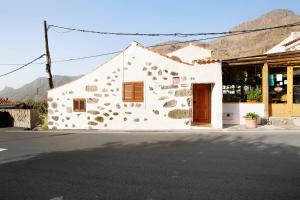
(291, 42)
(207, 61)
(6, 101)
(164, 55)
(289, 58)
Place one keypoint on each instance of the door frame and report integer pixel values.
(210, 85)
(287, 109)
(295, 108)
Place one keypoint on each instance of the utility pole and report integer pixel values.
(48, 59)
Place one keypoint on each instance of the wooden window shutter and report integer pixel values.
(75, 105)
(139, 92)
(133, 91)
(79, 105)
(128, 91)
(82, 105)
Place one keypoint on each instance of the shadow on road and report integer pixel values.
(192, 167)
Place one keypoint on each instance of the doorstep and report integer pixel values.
(262, 128)
(193, 129)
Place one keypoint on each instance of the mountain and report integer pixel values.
(247, 44)
(36, 90)
(223, 48)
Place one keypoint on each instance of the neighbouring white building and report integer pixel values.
(291, 43)
(275, 74)
(191, 53)
(142, 89)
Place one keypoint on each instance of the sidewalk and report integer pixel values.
(262, 128)
(227, 129)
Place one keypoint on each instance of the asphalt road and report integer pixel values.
(149, 166)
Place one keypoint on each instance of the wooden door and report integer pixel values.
(289, 102)
(279, 86)
(201, 103)
(295, 93)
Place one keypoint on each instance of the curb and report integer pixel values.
(175, 131)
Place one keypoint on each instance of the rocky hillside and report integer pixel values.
(36, 90)
(228, 47)
(250, 43)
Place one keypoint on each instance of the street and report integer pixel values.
(149, 165)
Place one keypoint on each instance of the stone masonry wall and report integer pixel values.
(167, 104)
(24, 118)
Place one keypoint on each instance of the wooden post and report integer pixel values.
(265, 89)
(290, 90)
(48, 59)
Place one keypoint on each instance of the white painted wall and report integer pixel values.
(293, 47)
(190, 53)
(134, 64)
(281, 48)
(233, 113)
(211, 73)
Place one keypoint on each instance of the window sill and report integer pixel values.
(242, 102)
(133, 101)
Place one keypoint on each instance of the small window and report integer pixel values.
(79, 105)
(133, 91)
(175, 80)
(238, 81)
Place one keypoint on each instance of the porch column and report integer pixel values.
(265, 89)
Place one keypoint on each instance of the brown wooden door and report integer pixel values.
(201, 103)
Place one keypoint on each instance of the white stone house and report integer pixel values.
(140, 89)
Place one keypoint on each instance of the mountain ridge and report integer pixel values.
(36, 90)
(223, 48)
(245, 44)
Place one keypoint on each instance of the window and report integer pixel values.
(238, 81)
(133, 91)
(296, 85)
(175, 80)
(278, 85)
(79, 105)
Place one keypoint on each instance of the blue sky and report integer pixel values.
(22, 36)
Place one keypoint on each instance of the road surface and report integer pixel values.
(180, 165)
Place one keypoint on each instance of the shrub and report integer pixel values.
(253, 95)
(40, 106)
(251, 115)
(42, 110)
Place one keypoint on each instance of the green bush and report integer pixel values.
(40, 106)
(42, 110)
(251, 115)
(253, 95)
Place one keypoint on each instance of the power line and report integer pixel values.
(61, 32)
(68, 29)
(5, 74)
(226, 34)
(85, 57)
(152, 46)
(17, 64)
(195, 40)
(66, 60)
